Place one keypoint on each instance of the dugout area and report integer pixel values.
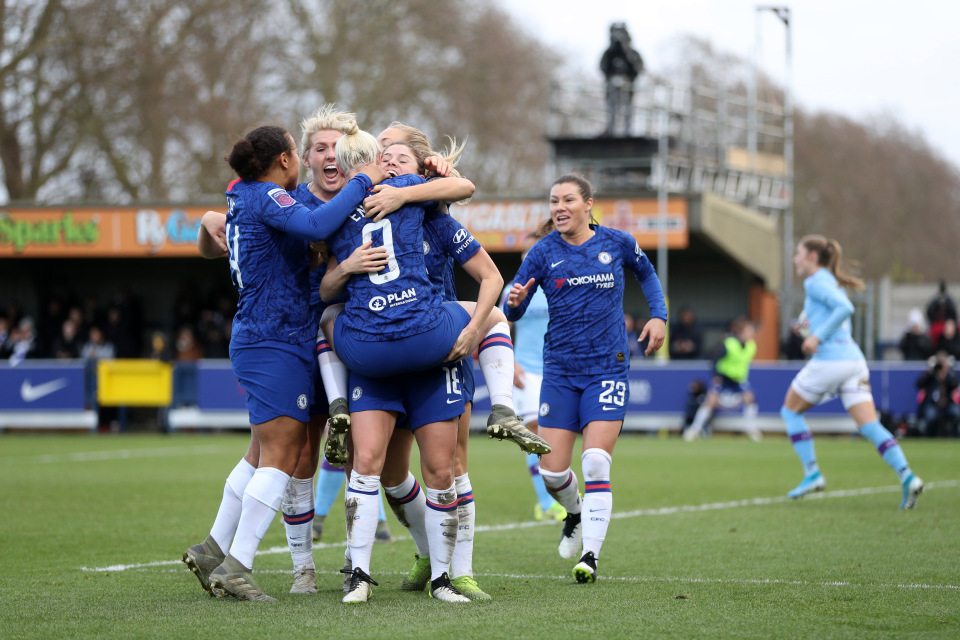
(724, 259)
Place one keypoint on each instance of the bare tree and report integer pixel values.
(169, 85)
(41, 115)
(465, 71)
(890, 200)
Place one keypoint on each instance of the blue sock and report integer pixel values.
(543, 496)
(329, 482)
(888, 448)
(383, 512)
(801, 439)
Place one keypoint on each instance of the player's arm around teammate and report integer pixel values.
(267, 163)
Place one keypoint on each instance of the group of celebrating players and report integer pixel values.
(347, 317)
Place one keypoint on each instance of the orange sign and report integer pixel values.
(100, 232)
(172, 231)
(502, 225)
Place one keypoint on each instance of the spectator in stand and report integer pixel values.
(4, 333)
(940, 309)
(949, 340)
(210, 329)
(97, 347)
(49, 327)
(632, 338)
(67, 345)
(188, 350)
(22, 343)
(915, 343)
(938, 410)
(92, 312)
(791, 347)
(159, 349)
(118, 332)
(686, 341)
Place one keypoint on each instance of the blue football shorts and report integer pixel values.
(381, 359)
(277, 378)
(573, 402)
(420, 398)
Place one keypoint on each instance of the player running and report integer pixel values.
(837, 367)
(580, 267)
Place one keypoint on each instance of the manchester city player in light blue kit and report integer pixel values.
(528, 335)
(837, 368)
(580, 267)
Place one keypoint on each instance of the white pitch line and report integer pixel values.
(119, 454)
(710, 506)
(651, 580)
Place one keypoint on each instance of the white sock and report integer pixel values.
(564, 487)
(750, 417)
(597, 499)
(441, 523)
(496, 363)
(228, 516)
(261, 501)
(363, 508)
(336, 378)
(409, 506)
(297, 508)
(462, 563)
(703, 414)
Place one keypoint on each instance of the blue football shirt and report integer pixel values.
(267, 241)
(446, 242)
(398, 301)
(584, 287)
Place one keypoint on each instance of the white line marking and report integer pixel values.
(711, 506)
(120, 454)
(524, 576)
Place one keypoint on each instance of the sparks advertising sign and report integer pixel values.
(100, 232)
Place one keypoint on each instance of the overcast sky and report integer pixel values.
(853, 57)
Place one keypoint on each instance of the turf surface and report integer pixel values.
(703, 545)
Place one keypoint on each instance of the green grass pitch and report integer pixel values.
(703, 545)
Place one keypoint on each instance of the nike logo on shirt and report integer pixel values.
(31, 393)
(553, 264)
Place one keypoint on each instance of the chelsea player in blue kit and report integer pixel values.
(320, 132)
(446, 242)
(580, 267)
(395, 323)
(267, 234)
(837, 367)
